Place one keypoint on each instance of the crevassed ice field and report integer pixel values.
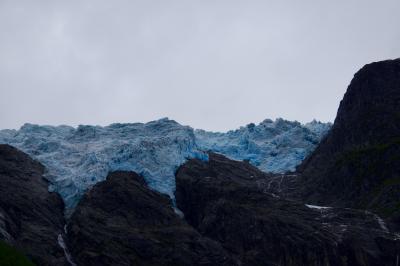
(78, 158)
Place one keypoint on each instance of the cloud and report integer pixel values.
(210, 64)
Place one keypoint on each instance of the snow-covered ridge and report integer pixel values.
(78, 158)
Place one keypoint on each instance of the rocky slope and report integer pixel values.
(228, 201)
(31, 218)
(122, 222)
(358, 163)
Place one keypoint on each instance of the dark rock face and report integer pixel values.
(31, 218)
(358, 163)
(224, 201)
(122, 222)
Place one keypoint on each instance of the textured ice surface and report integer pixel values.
(78, 158)
(273, 146)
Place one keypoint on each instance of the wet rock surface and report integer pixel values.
(122, 222)
(222, 200)
(31, 218)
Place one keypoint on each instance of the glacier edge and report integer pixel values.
(78, 158)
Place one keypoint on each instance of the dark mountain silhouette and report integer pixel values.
(358, 163)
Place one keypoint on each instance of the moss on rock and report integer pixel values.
(10, 256)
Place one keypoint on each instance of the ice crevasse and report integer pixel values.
(78, 158)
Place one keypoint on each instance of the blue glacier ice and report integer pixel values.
(273, 146)
(78, 158)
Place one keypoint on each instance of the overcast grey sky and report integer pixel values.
(214, 65)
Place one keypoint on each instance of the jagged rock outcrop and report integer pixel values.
(121, 221)
(31, 218)
(358, 163)
(229, 202)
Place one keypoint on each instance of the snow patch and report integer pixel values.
(317, 207)
(381, 223)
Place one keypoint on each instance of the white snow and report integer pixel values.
(78, 158)
(379, 220)
(317, 207)
(382, 223)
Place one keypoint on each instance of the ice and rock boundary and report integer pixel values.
(78, 158)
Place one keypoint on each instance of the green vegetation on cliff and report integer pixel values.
(9, 256)
(373, 168)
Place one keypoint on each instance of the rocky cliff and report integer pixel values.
(31, 218)
(228, 201)
(123, 222)
(358, 163)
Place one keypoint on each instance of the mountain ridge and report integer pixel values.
(340, 208)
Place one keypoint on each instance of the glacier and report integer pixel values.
(77, 158)
(272, 146)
